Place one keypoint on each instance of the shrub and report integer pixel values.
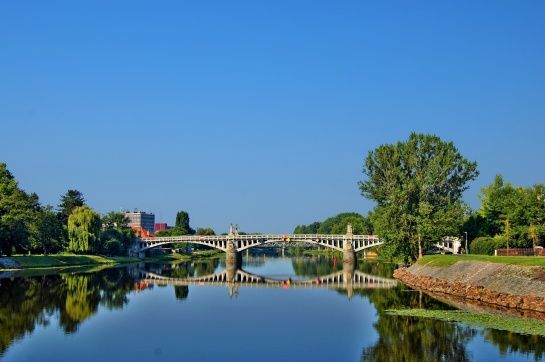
(484, 245)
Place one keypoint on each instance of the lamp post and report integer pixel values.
(467, 252)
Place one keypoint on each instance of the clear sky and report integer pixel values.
(261, 113)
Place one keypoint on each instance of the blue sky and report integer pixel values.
(261, 112)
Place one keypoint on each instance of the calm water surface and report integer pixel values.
(121, 315)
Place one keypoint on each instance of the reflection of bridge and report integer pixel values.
(235, 242)
(349, 279)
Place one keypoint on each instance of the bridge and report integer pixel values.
(232, 278)
(235, 242)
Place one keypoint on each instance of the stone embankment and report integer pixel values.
(504, 285)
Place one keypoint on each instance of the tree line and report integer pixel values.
(28, 226)
(417, 186)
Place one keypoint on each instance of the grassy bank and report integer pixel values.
(62, 261)
(55, 261)
(448, 260)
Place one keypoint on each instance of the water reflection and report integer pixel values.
(69, 299)
(233, 276)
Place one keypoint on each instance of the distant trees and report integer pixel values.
(516, 213)
(338, 225)
(310, 229)
(417, 185)
(203, 231)
(181, 226)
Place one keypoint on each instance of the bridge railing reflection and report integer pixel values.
(349, 279)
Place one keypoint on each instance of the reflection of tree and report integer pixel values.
(181, 292)
(21, 308)
(312, 267)
(82, 297)
(508, 342)
(418, 339)
(203, 268)
(378, 268)
(27, 302)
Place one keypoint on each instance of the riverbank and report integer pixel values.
(53, 261)
(515, 286)
(56, 260)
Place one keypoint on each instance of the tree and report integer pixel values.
(84, 228)
(117, 236)
(17, 209)
(182, 223)
(69, 201)
(418, 186)
(497, 199)
(115, 219)
(534, 235)
(46, 231)
(507, 231)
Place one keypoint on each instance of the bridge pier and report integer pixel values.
(233, 259)
(349, 257)
(349, 254)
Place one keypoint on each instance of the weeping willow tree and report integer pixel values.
(84, 227)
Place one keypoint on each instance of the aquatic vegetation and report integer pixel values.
(517, 325)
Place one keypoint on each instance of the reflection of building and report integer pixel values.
(140, 219)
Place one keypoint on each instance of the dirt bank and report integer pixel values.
(505, 285)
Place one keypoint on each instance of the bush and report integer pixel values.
(484, 245)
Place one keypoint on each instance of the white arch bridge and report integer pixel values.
(235, 242)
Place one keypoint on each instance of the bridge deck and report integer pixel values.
(235, 242)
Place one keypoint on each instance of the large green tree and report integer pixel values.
(84, 229)
(17, 210)
(69, 201)
(182, 222)
(418, 186)
(46, 231)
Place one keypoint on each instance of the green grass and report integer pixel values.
(448, 260)
(167, 257)
(52, 261)
(517, 325)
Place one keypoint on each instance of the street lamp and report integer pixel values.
(467, 252)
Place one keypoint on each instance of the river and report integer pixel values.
(281, 309)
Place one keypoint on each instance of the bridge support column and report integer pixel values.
(349, 257)
(233, 260)
(349, 254)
